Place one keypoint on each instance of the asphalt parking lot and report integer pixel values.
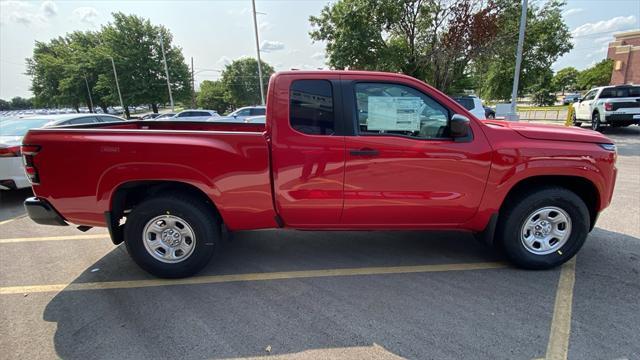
(321, 295)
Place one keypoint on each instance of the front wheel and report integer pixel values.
(543, 229)
(171, 237)
(575, 120)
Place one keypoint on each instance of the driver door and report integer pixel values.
(583, 109)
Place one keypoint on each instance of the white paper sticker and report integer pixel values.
(394, 113)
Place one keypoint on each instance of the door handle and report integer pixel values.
(364, 152)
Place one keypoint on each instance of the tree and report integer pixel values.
(597, 75)
(5, 105)
(547, 38)
(63, 68)
(565, 79)
(433, 40)
(241, 82)
(134, 44)
(212, 95)
(20, 103)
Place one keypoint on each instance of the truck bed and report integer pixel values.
(84, 165)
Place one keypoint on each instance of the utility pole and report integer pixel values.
(115, 75)
(193, 87)
(513, 114)
(166, 71)
(88, 92)
(255, 28)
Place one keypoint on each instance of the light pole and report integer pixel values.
(193, 87)
(88, 92)
(166, 71)
(255, 29)
(115, 75)
(513, 114)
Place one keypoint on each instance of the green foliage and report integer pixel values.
(565, 79)
(17, 103)
(597, 75)
(547, 38)
(212, 96)
(241, 82)
(62, 68)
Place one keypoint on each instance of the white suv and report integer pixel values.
(609, 105)
(473, 104)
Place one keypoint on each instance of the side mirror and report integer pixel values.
(577, 99)
(235, 116)
(460, 128)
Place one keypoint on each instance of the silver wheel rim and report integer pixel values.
(546, 230)
(169, 239)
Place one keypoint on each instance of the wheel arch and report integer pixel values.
(582, 187)
(126, 196)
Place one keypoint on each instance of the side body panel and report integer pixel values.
(80, 169)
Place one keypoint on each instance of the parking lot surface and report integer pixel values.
(292, 294)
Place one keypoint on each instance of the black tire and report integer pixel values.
(515, 213)
(596, 125)
(575, 120)
(196, 213)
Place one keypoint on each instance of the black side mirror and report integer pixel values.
(577, 99)
(460, 128)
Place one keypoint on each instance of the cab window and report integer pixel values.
(393, 109)
(311, 107)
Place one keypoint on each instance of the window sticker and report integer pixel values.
(394, 113)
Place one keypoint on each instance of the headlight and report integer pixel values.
(608, 147)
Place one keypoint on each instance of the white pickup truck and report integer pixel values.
(609, 105)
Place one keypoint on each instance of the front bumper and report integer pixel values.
(40, 211)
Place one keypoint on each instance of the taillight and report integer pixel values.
(11, 151)
(608, 106)
(28, 152)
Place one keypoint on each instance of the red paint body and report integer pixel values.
(253, 173)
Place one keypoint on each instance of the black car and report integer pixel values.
(489, 113)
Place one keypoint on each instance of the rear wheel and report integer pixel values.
(596, 125)
(171, 237)
(543, 229)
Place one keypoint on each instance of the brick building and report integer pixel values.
(625, 53)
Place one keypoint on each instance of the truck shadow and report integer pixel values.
(407, 314)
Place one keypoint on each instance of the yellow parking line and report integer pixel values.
(55, 238)
(10, 220)
(558, 346)
(213, 279)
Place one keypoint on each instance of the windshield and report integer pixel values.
(621, 92)
(19, 127)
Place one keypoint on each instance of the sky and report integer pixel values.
(215, 33)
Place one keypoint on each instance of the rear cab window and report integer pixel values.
(620, 92)
(311, 108)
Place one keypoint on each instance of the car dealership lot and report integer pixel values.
(69, 294)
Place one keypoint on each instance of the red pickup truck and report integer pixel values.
(339, 150)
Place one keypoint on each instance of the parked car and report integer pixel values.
(261, 119)
(419, 160)
(12, 130)
(613, 106)
(164, 116)
(196, 115)
(150, 116)
(241, 114)
(473, 104)
(570, 99)
(489, 113)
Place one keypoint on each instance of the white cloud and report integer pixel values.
(49, 8)
(617, 23)
(86, 14)
(223, 61)
(318, 56)
(21, 12)
(265, 26)
(243, 11)
(572, 11)
(270, 46)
